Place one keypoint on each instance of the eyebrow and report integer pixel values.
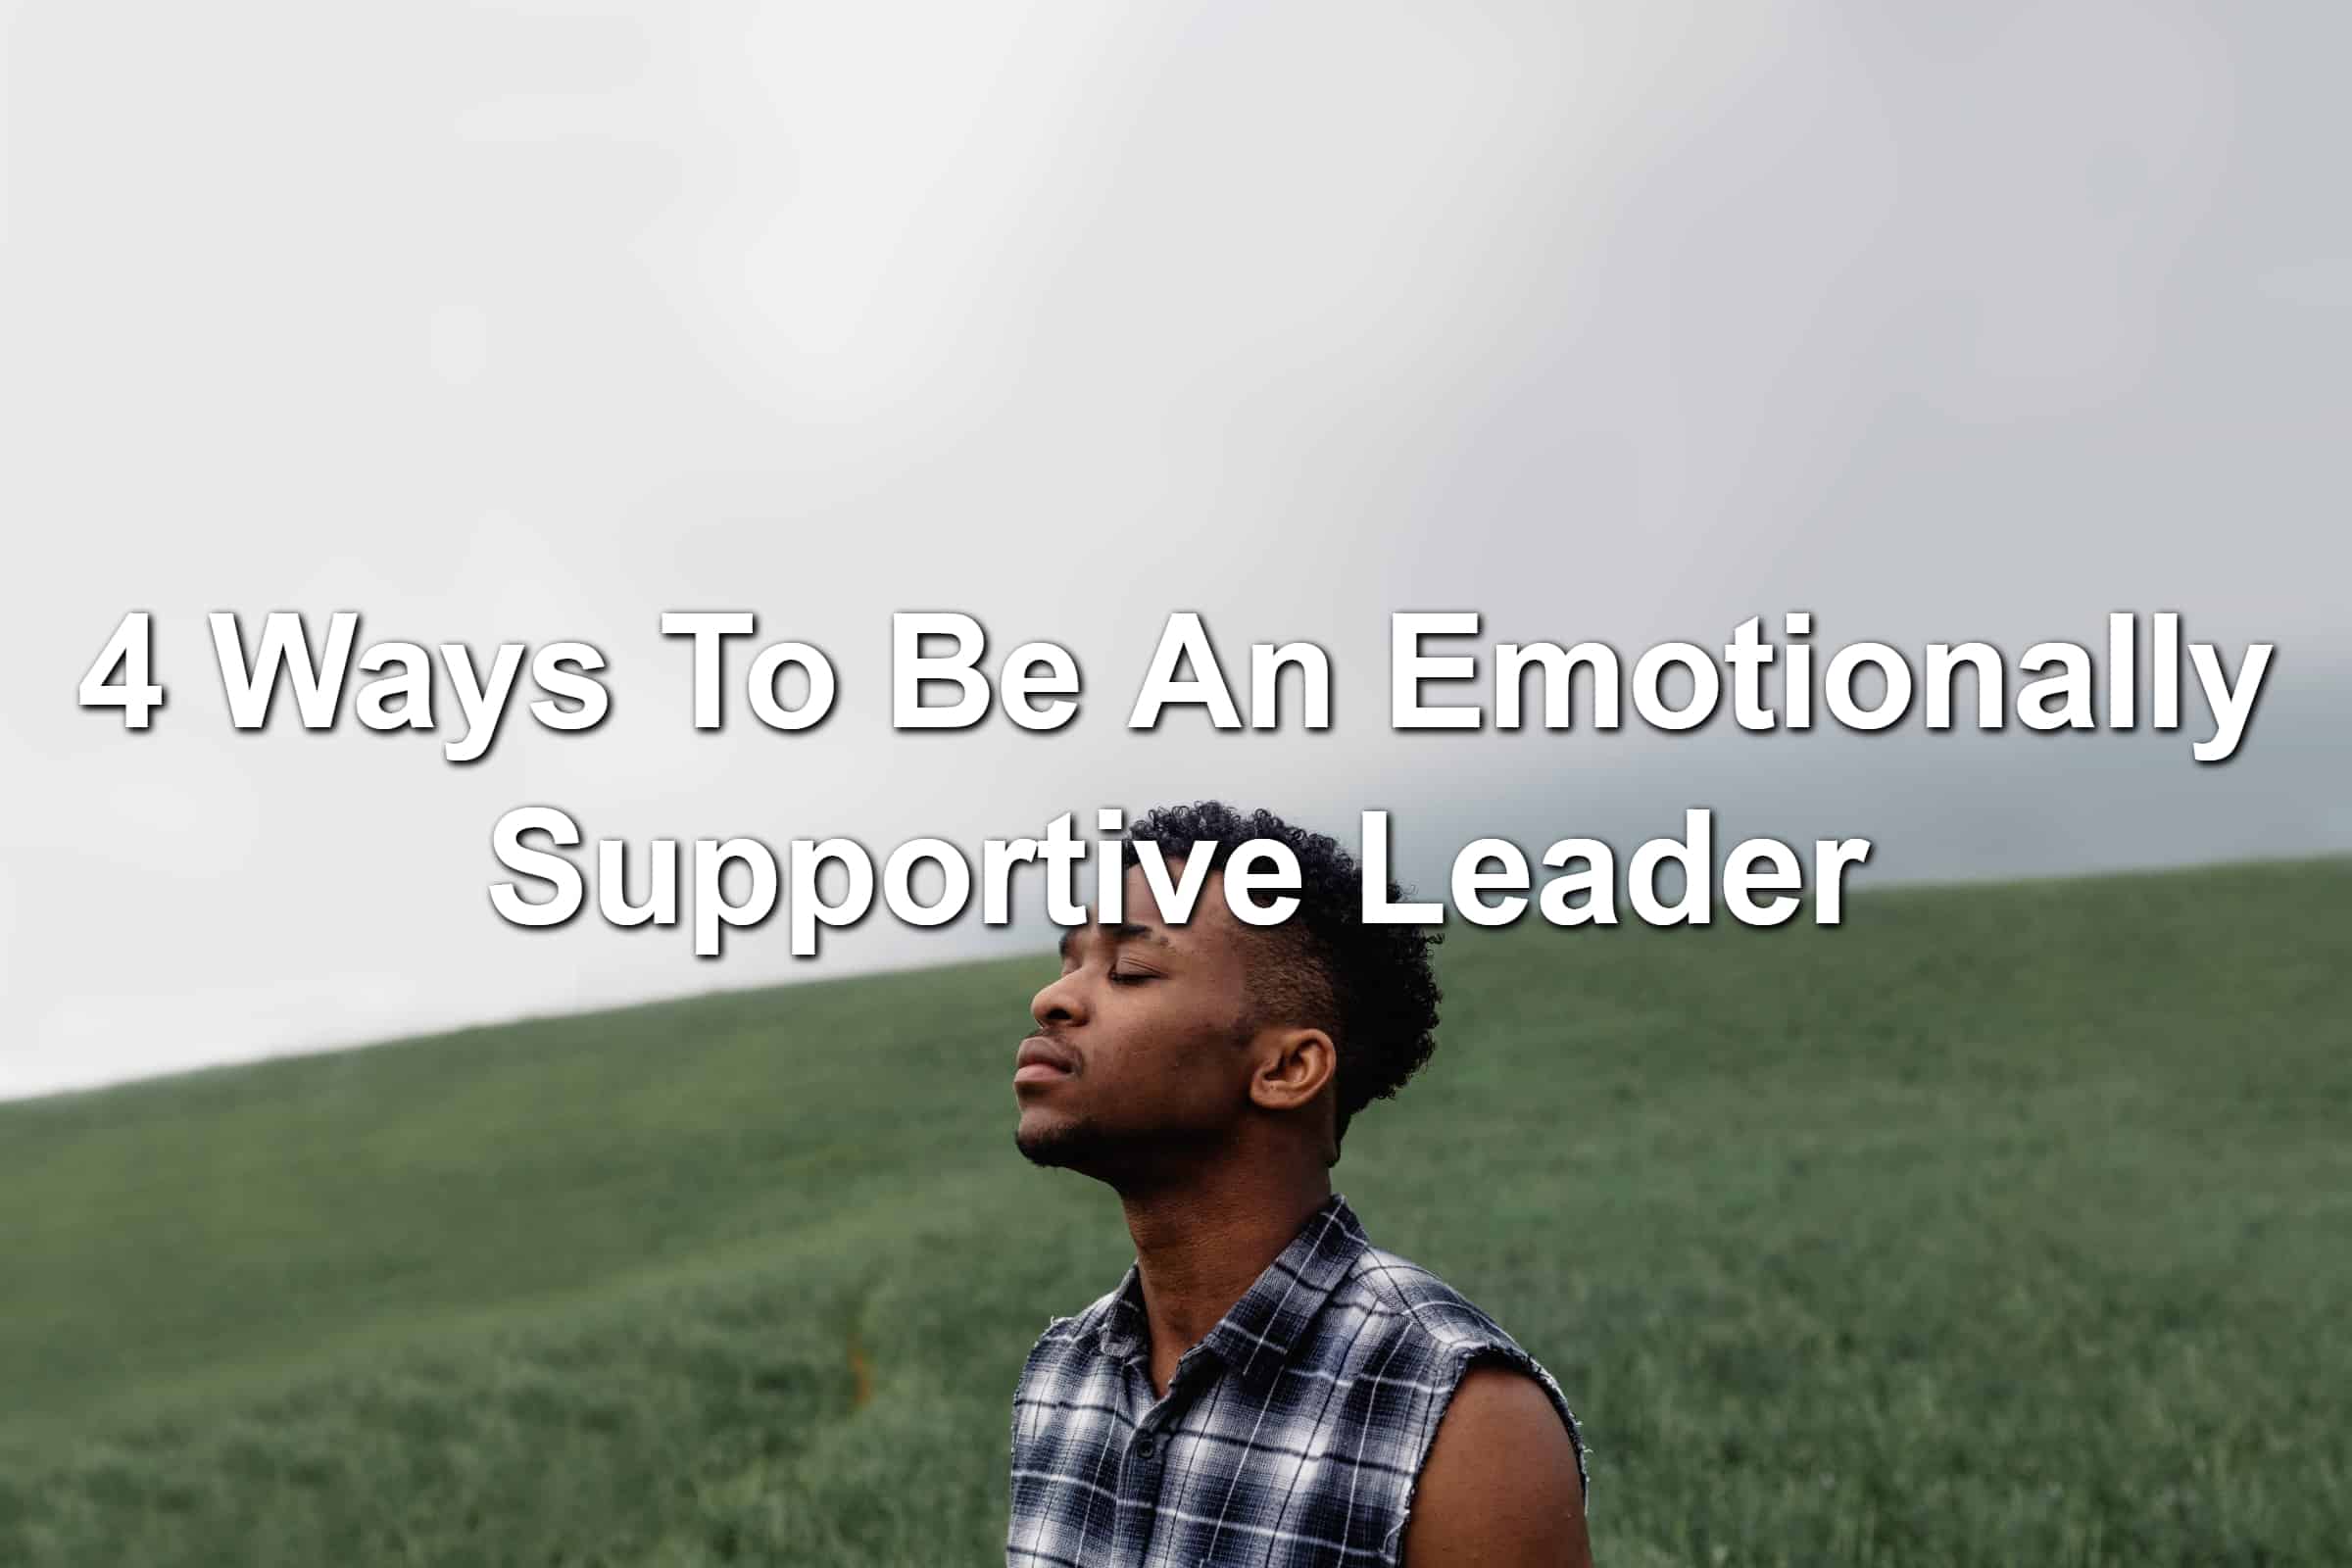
(1119, 931)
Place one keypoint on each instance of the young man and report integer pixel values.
(1264, 1386)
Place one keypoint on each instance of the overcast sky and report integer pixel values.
(1622, 322)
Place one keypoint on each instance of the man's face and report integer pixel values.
(1139, 1054)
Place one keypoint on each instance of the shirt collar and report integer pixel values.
(1255, 1337)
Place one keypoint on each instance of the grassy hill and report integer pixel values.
(2001, 1225)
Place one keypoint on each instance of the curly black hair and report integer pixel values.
(1370, 986)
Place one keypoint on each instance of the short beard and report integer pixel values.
(1126, 1163)
(1070, 1145)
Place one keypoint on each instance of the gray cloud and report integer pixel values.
(1617, 322)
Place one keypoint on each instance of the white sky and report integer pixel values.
(1623, 323)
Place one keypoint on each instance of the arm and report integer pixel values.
(1499, 1488)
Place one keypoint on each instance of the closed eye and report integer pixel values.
(1131, 977)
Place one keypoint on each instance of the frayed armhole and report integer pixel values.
(1461, 1361)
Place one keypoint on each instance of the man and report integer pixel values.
(1264, 1386)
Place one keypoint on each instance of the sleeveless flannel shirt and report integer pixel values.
(1291, 1435)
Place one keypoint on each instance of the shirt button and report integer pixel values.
(1145, 1445)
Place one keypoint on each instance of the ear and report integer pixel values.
(1293, 1066)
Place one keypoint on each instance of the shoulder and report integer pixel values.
(1453, 1348)
(1061, 1383)
(1076, 1331)
(1423, 1306)
(1438, 1322)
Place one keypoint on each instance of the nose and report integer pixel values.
(1061, 1003)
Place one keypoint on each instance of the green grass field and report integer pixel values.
(1999, 1225)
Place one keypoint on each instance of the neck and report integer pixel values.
(1200, 1243)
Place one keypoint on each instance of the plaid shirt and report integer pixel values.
(1291, 1435)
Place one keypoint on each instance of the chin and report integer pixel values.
(1052, 1140)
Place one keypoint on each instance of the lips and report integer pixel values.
(1042, 1061)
